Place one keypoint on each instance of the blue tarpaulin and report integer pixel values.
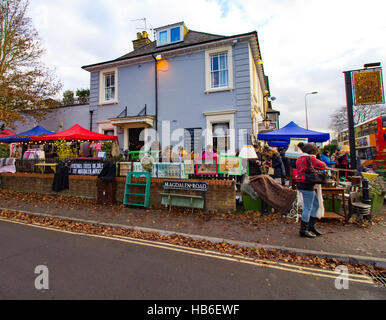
(26, 135)
(292, 130)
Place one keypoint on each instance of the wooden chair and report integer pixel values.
(356, 207)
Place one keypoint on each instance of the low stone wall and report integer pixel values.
(220, 196)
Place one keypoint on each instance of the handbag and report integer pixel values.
(271, 171)
(320, 212)
(313, 175)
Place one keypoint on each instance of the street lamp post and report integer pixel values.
(305, 105)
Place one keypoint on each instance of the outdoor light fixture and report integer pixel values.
(305, 105)
(248, 152)
(266, 122)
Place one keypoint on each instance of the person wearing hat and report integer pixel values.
(310, 199)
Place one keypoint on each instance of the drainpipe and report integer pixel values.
(91, 113)
(156, 92)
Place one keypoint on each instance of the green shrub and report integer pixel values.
(4, 150)
(64, 150)
(107, 147)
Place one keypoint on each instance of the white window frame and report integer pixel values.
(102, 97)
(208, 83)
(159, 37)
(168, 30)
(109, 96)
(221, 117)
(227, 135)
(106, 126)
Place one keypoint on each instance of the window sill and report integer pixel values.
(107, 103)
(218, 90)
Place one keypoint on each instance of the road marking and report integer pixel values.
(206, 253)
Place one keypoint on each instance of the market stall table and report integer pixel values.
(338, 170)
(41, 166)
(339, 192)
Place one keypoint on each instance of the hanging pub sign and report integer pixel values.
(86, 168)
(368, 86)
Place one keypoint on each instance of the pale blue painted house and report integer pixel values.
(210, 87)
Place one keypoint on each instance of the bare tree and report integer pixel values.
(338, 120)
(26, 85)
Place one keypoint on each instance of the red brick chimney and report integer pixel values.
(142, 40)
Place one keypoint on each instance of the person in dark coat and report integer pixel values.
(278, 167)
(287, 164)
(61, 181)
(108, 172)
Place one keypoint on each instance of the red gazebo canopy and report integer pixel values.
(6, 133)
(75, 133)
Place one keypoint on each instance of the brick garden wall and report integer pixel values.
(220, 196)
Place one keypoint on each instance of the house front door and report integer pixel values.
(135, 143)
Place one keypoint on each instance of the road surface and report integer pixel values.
(90, 267)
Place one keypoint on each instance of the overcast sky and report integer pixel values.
(305, 44)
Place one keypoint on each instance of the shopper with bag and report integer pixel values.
(278, 169)
(309, 173)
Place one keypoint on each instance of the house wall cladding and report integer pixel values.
(181, 95)
(71, 115)
(242, 86)
(181, 92)
(220, 196)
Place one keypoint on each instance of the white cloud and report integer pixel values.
(305, 44)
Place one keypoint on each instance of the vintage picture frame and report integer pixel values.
(206, 166)
(230, 165)
(189, 167)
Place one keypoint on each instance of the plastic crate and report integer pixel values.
(250, 204)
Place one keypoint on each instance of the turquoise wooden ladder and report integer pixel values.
(146, 195)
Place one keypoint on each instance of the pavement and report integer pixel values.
(349, 242)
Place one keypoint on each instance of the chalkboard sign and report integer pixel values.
(185, 185)
(86, 168)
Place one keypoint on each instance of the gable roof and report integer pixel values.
(191, 38)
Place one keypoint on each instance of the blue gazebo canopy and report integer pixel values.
(26, 135)
(292, 130)
(278, 143)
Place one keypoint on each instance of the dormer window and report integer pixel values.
(175, 34)
(163, 37)
(170, 34)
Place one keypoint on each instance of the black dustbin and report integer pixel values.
(106, 184)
